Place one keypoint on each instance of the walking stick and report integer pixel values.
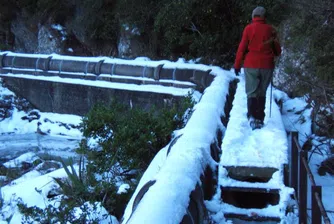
(271, 95)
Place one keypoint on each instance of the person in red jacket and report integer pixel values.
(258, 48)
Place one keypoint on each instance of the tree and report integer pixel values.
(309, 61)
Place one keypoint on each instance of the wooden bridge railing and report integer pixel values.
(299, 171)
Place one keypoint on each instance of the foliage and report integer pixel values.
(210, 30)
(64, 213)
(97, 19)
(276, 10)
(80, 189)
(28, 5)
(190, 29)
(3, 46)
(58, 10)
(128, 140)
(193, 28)
(310, 60)
(75, 185)
(75, 190)
(133, 138)
(140, 15)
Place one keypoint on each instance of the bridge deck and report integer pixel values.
(266, 147)
(251, 170)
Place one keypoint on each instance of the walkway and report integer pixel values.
(251, 169)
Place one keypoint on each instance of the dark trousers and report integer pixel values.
(257, 82)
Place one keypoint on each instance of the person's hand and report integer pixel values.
(237, 71)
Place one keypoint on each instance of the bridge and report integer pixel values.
(215, 165)
(47, 81)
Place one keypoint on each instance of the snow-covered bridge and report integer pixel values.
(54, 83)
(248, 176)
(216, 165)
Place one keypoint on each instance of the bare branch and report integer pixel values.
(194, 28)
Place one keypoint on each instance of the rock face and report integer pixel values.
(25, 31)
(129, 44)
(49, 41)
(8, 102)
(47, 33)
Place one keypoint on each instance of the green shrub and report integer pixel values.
(75, 185)
(97, 20)
(64, 213)
(194, 28)
(131, 136)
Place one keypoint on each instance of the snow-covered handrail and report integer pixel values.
(102, 68)
(173, 181)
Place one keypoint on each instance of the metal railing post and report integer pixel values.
(293, 163)
(316, 214)
(302, 197)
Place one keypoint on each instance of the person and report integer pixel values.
(258, 48)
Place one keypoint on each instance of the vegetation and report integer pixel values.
(309, 61)
(210, 30)
(136, 136)
(128, 139)
(193, 28)
(170, 29)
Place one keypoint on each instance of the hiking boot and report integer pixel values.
(259, 123)
(255, 123)
(252, 123)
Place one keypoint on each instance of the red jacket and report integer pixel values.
(258, 46)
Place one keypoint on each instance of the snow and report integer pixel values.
(265, 147)
(186, 161)
(297, 118)
(177, 173)
(123, 188)
(27, 157)
(104, 84)
(166, 63)
(219, 209)
(295, 122)
(51, 124)
(25, 190)
(96, 214)
(135, 31)
(142, 59)
(61, 29)
(244, 147)
(57, 27)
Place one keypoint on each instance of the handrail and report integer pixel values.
(309, 172)
(185, 75)
(317, 204)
